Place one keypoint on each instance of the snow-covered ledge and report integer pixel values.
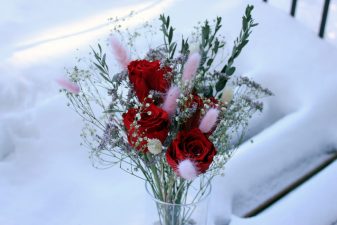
(52, 176)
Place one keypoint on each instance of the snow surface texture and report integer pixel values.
(45, 176)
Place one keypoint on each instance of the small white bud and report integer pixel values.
(227, 94)
(154, 146)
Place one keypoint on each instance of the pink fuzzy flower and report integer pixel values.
(170, 103)
(68, 85)
(120, 53)
(191, 66)
(187, 170)
(209, 120)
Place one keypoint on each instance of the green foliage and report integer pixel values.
(239, 43)
(168, 30)
(210, 45)
(100, 63)
(184, 46)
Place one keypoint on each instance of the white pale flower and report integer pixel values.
(187, 170)
(227, 94)
(154, 146)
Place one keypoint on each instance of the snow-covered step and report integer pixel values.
(291, 186)
(313, 203)
(52, 176)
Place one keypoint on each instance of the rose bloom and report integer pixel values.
(153, 124)
(192, 145)
(146, 76)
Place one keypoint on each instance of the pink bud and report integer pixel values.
(191, 66)
(170, 103)
(120, 53)
(68, 85)
(187, 170)
(209, 120)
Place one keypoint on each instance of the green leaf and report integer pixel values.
(103, 60)
(209, 62)
(100, 49)
(224, 69)
(173, 50)
(170, 36)
(230, 71)
(221, 84)
(167, 22)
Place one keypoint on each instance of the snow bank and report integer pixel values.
(48, 178)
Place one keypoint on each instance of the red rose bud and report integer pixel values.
(153, 124)
(146, 76)
(191, 145)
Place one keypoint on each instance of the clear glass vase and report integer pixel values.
(192, 212)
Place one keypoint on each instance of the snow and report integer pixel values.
(46, 177)
(6, 142)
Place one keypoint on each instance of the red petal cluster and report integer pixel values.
(153, 124)
(146, 76)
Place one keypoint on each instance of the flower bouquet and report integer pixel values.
(172, 117)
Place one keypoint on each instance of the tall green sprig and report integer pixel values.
(209, 48)
(210, 44)
(168, 30)
(101, 64)
(239, 43)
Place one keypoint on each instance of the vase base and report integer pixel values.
(189, 222)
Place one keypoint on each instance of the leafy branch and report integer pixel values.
(185, 47)
(239, 43)
(209, 42)
(167, 30)
(209, 47)
(100, 63)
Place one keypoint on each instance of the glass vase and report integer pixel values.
(192, 212)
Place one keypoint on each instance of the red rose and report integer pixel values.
(146, 76)
(153, 124)
(192, 145)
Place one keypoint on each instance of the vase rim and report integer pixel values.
(203, 198)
